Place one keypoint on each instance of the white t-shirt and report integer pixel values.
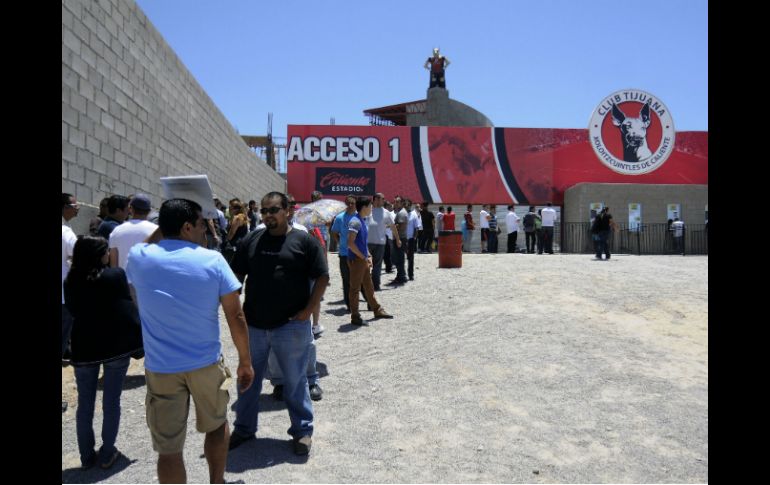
(414, 224)
(512, 222)
(68, 240)
(377, 225)
(127, 234)
(483, 222)
(548, 215)
(678, 228)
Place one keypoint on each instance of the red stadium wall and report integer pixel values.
(467, 165)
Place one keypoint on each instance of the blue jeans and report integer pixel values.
(467, 239)
(291, 344)
(276, 376)
(86, 379)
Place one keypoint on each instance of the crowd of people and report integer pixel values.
(146, 284)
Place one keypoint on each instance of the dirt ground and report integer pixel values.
(513, 368)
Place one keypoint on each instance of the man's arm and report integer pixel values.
(315, 298)
(113, 257)
(396, 237)
(231, 304)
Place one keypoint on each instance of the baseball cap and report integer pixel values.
(141, 202)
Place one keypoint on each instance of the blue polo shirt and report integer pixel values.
(340, 226)
(358, 226)
(178, 285)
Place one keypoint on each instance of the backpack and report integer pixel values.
(529, 222)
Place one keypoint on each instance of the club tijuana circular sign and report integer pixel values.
(632, 132)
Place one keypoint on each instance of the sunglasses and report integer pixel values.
(271, 210)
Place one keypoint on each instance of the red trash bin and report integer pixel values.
(450, 249)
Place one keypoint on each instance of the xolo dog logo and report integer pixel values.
(632, 132)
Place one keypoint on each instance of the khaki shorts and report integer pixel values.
(168, 404)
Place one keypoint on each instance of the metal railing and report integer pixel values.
(642, 239)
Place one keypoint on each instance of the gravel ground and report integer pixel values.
(514, 368)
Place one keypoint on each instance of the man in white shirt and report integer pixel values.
(69, 210)
(378, 224)
(512, 226)
(677, 228)
(548, 216)
(484, 225)
(131, 232)
(413, 225)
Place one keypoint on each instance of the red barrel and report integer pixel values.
(450, 249)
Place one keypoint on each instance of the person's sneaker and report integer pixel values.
(237, 439)
(110, 460)
(316, 393)
(356, 320)
(318, 330)
(278, 392)
(382, 314)
(302, 445)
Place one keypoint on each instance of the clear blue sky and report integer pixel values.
(538, 64)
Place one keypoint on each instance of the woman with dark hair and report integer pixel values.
(106, 331)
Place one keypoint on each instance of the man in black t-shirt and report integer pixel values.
(601, 230)
(281, 264)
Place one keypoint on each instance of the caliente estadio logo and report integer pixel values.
(632, 132)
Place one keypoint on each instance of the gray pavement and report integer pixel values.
(514, 368)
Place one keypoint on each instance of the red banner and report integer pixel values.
(466, 165)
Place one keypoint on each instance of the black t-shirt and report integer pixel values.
(603, 222)
(427, 220)
(279, 270)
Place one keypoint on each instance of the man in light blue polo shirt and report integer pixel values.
(179, 285)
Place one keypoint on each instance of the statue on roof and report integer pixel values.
(436, 65)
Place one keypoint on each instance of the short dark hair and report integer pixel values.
(174, 213)
(532, 208)
(549, 204)
(279, 195)
(449, 209)
(440, 208)
(469, 206)
(362, 202)
(65, 199)
(510, 206)
(316, 195)
(116, 203)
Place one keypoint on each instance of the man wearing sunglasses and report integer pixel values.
(279, 265)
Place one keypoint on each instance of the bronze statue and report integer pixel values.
(437, 64)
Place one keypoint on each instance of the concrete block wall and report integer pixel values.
(132, 113)
(653, 197)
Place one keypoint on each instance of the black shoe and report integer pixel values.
(356, 321)
(106, 465)
(278, 392)
(302, 445)
(64, 406)
(237, 439)
(316, 393)
(411, 278)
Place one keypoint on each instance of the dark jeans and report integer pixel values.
(66, 328)
(386, 256)
(512, 236)
(426, 240)
(377, 251)
(492, 241)
(602, 246)
(87, 379)
(399, 259)
(548, 239)
(531, 237)
(678, 245)
(410, 250)
(540, 242)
